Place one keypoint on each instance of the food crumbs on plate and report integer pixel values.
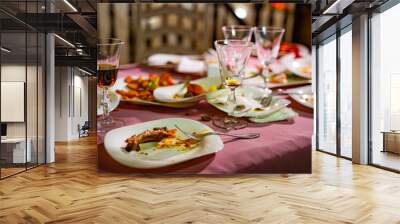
(164, 137)
(213, 88)
(206, 117)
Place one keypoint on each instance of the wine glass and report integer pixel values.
(237, 32)
(268, 42)
(233, 56)
(108, 54)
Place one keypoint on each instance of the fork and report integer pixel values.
(198, 136)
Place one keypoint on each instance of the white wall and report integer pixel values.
(33, 127)
(71, 102)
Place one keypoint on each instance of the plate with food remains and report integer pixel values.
(303, 95)
(157, 143)
(189, 91)
(139, 90)
(250, 102)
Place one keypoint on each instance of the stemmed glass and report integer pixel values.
(108, 54)
(268, 41)
(237, 32)
(233, 56)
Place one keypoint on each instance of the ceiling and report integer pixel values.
(73, 20)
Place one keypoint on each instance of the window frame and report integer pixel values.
(347, 27)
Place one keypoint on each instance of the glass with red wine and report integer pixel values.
(108, 54)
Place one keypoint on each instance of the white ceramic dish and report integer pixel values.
(114, 141)
(167, 94)
(303, 95)
(297, 65)
(249, 98)
(114, 101)
(120, 84)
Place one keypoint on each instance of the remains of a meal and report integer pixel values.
(165, 138)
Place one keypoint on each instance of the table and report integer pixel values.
(17, 152)
(391, 141)
(284, 147)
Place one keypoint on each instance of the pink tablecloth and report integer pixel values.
(284, 147)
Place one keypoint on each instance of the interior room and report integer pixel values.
(73, 105)
(47, 83)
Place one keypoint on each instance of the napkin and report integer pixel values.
(256, 81)
(280, 115)
(188, 65)
(163, 59)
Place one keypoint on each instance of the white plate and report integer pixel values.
(295, 65)
(120, 84)
(167, 94)
(250, 98)
(114, 141)
(303, 95)
(114, 101)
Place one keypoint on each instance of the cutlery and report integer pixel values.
(199, 136)
(287, 92)
(266, 101)
(185, 84)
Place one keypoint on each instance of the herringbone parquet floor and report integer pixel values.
(73, 191)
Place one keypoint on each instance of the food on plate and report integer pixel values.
(287, 48)
(165, 138)
(282, 78)
(305, 69)
(182, 144)
(279, 78)
(213, 88)
(191, 90)
(143, 88)
(154, 135)
(308, 98)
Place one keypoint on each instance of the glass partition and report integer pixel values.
(385, 89)
(346, 93)
(326, 99)
(22, 91)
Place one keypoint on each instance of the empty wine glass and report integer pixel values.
(108, 53)
(268, 42)
(237, 32)
(233, 56)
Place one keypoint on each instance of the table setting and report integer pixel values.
(241, 107)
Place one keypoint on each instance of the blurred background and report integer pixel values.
(190, 28)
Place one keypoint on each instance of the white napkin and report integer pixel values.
(247, 102)
(187, 65)
(280, 115)
(244, 101)
(257, 81)
(163, 59)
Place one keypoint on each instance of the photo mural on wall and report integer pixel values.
(196, 88)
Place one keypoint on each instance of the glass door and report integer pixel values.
(326, 96)
(385, 89)
(346, 94)
(22, 78)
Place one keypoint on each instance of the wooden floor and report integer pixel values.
(73, 191)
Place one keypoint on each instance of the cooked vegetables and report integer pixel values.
(143, 88)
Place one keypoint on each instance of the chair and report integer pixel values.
(84, 130)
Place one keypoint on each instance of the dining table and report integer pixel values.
(283, 146)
